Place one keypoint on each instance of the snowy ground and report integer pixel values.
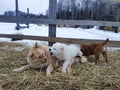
(94, 33)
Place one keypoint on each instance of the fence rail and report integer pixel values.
(58, 39)
(56, 21)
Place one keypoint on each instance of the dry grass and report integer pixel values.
(84, 76)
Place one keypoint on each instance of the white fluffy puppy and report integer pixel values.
(65, 52)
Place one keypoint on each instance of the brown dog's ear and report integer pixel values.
(36, 45)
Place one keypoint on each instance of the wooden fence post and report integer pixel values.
(27, 17)
(52, 15)
(17, 15)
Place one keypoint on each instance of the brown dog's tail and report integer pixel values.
(105, 41)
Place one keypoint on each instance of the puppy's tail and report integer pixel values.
(105, 41)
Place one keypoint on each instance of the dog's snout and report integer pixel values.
(51, 53)
(45, 59)
(49, 49)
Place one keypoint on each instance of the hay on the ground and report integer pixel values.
(83, 77)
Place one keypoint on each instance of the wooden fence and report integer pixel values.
(52, 22)
(58, 39)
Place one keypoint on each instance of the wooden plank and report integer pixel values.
(58, 39)
(52, 15)
(56, 21)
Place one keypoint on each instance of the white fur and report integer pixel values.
(65, 52)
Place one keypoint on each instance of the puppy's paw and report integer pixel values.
(64, 71)
(48, 75)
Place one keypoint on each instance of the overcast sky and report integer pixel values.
(35, 6)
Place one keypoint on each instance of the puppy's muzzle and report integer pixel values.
(50, 52)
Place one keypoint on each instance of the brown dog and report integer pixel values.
(95, 49)
(39, 56)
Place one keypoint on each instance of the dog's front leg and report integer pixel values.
(49, 69)
(65, 65)
(21, 68)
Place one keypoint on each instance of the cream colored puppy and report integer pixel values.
(65, 52)
(39, 56)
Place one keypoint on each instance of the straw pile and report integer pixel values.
(83, 77)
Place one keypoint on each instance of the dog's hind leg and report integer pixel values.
(69, 69)
(105, 56)
(80, 53)
(21, 68)
(65, 65)
(49, 69)
(97, 53)
(97, 56)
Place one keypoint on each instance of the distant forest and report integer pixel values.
(23, 14)
(105, 10)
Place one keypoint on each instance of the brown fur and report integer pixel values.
(106, 28)
(118, 29)
(95, 49)
(39, 56)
